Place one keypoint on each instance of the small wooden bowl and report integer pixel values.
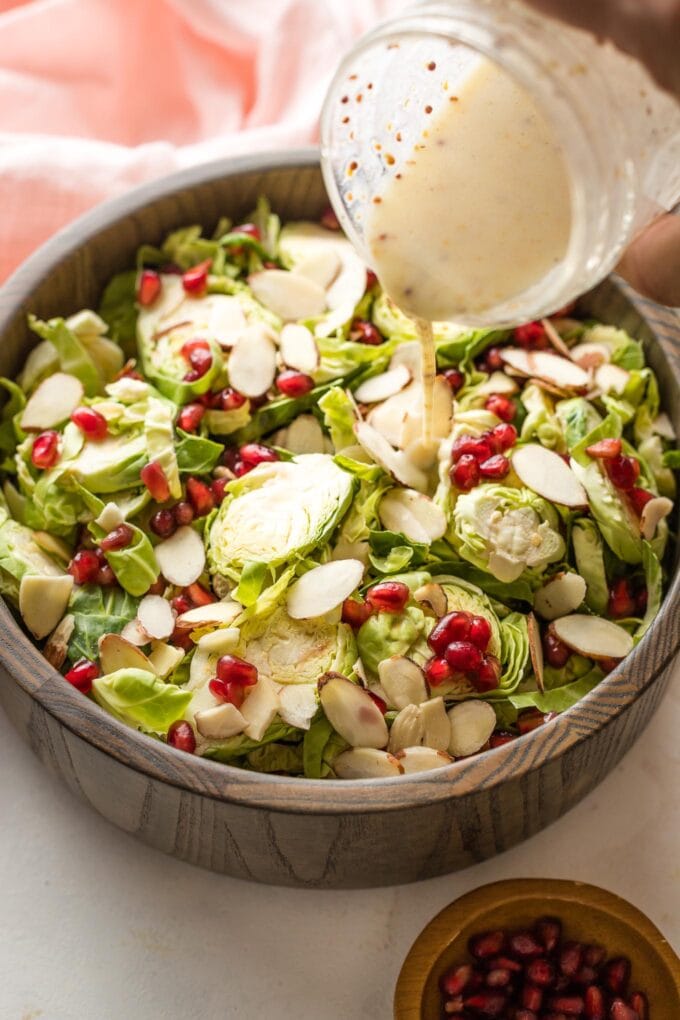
(301, 832)
(589, 914)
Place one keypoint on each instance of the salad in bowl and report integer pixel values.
(221, 522)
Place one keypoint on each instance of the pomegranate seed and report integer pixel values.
(607, 665)
(242, 469)
(294, 384)
(586, 976)
(181, 638)
(501, 406)
(199, 595)
(378, 701)
(231, 400)
(487, 1004)
(249, 229)
(452, 627)
(497, 466)
(81, 675)
(454, 378)
(532, 997)
(153, 477)
(456, 980)
(498, 977)
(463, 656)
(91, 423)
(182, 513)
(639, 498)
(329, 220)
(118, 538)
(541, 972)
(163, 523)
(620, 1011)
(568, 1004)
(594, 955)
(529, 720)
(371, 279)
(437, 671)
(531, 336)
(525, 1014)
(507, 963)
(480, 632)
(388, 596)
(605, 449)
(232, 669)
(486, 945)
(190, 347)
(555, 651)
(492, 360)
(525, 945)
(200, 496)
(571, 959)
(84, 567)
(201, 362)
(148, 287)
(158, 587)
(465, 474)
(549, 932)
(621, 602)
(195, 280)
(227, 692)
(181, 604)
(45, 450)
(190, 417)
(355, 613)
(478, 447)
(105, 576)
(501, 738)
(503, 436)
(218, 688)
(638, 1002)
(623, 471)
(217, 488)
(181, 736)
(487, 676)
(593, 1002)
(363, 332)
(253, 454)
(616, 975)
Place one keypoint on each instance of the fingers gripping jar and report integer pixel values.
(491, 164)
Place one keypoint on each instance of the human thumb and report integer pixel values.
(651, 264)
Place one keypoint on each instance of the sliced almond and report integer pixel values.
(611, 378)
(407, 729)
(472, 723)
(389, 417)
(227, 321)
(298, 349)
(304, 435)
(590, 355)
(390, 460)
(498, 382)
(220, 723)
(555, 339)
(366, 763)
(653, 512)
(110, 517)
(117, 653)
(412, 514)
(323, 588)
(321, 266)
(380, 387)
(288, 295)
(663, 426)
(351, 712)
(52, 402)
(252, 362)
(593, 637)
(546, 473)
(298, 704)
(434, 596)
(409, 354)
(545, 365)
(436, 724)
(181, 557)
(156, 616)
(560, 595)
(215, 614)
(548, 387)
(345, 293)
(52, 545)
(165, 658)
(422, 759)
(442, 414)
(43, 600)
(345, 550)
(260, 707)
(219, 642)
(403, 681)
(535, 650)
(56, 646)
(135, 634)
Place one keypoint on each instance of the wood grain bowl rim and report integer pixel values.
(439, 934)
(151, 757)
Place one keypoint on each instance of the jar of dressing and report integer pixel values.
(489, 163)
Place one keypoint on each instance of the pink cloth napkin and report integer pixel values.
(99, 95)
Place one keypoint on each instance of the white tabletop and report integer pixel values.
(95, 926)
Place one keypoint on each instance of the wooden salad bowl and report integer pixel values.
(288, 830)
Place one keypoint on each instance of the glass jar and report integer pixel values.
(618, 133)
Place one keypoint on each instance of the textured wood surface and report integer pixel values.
(296, 831)
(589, 914)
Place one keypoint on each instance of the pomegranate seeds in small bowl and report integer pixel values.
(539, 949)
